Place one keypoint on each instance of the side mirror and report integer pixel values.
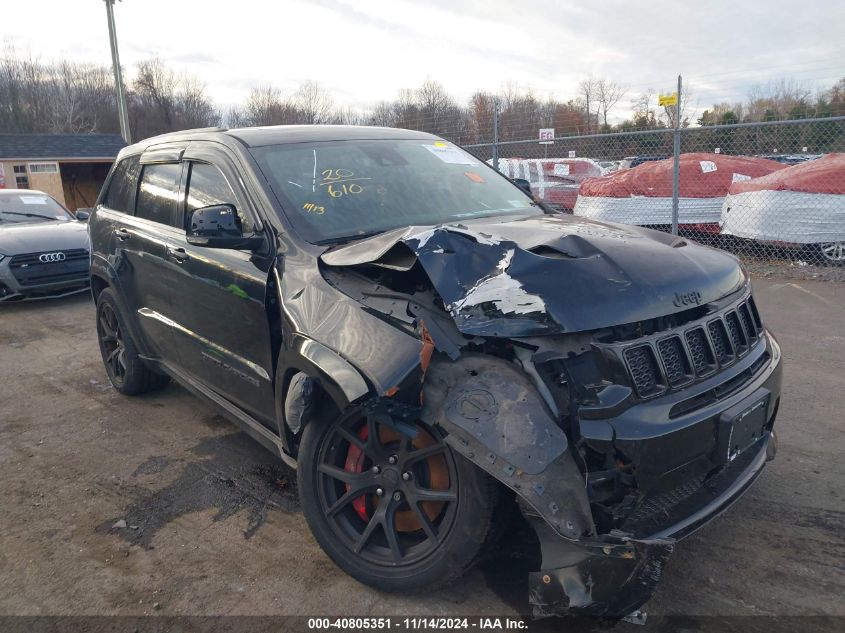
(523, 184)
(83, 214)
(219, 226)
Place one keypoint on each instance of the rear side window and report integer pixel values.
(158, 193)
(122, 186)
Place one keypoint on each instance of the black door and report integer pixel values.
(219, 295)
(140, 248)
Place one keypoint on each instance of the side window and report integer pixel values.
(122, 185)
(158, 193)
(208, 186)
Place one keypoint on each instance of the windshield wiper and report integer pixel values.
(29, 215)
(334, 241)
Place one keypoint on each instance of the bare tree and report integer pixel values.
(235, 117)
(382, 115)
(346, 116)
(194, 108)
(265, 106)
(644, 114)
(721, 113)
(161, 101)
(608, 93)
(481, 107)
(587, 98)
(152, 98)
(432, 99)
(66, 110)
(313, 102)
(774, 100)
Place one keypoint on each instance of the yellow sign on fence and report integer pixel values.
(668, 100)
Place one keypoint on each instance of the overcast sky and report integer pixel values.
(364, 51)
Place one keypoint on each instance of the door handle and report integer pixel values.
(122, 234)
(179, 254)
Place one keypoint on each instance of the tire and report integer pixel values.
(831, 253)
(124, 368)
(345, 499)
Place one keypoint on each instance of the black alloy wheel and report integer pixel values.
(394, 511)
(124, 367)
(111, 344)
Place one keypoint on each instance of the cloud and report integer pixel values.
(366, 51)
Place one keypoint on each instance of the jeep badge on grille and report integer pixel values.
(687, 299)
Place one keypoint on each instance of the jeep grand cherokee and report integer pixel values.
(415, 334)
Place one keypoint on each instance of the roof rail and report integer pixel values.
(166, 135)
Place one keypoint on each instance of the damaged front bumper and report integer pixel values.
(691, 472)
(608, 576)
(617, 440)
(614, 575)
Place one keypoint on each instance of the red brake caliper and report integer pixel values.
(355, 464)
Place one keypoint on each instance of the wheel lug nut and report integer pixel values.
(379, 492)
(406, 476)
(375, 470)
(397, 496)
(392, 459)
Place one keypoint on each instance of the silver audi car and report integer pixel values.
(43, 247)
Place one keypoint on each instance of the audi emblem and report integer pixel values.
(46, 258)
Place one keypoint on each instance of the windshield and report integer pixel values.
(23, 207)
(338, 190)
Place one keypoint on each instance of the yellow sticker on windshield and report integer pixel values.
(440, 144)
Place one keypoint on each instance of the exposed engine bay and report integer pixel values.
(626, 394)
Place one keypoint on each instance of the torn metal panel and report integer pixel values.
(496, 419)
(610, 576)
(539, 275)
(346, 329)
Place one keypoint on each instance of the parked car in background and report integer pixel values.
(554, 181)
(642, 195)
(423, 342)
(791, 159)
(609, 165)
(635, 161)
(802, 206)
(43, 247)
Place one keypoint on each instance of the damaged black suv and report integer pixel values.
(416, 335)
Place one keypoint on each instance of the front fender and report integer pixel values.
(337, 377)
(495, 417)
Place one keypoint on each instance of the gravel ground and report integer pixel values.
(154, 505)
(764, 268)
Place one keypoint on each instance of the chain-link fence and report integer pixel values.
(771, 190)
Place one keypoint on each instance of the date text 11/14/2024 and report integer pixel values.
(417, 623)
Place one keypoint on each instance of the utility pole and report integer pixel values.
(122, 112)
(496, 133)
(676, 166)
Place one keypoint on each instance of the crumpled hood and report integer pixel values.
(38, 237)
(533, 275)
